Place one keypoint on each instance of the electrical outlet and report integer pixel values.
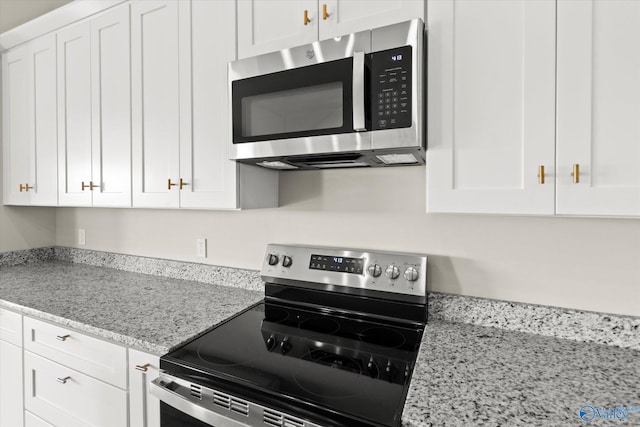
(201, 248)
(82, 237)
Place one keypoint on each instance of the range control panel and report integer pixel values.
(391, 88)
(392, 272)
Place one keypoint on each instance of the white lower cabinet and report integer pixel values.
(11, 386)
(66, 397)
(144, 409)
(73, 379)
(31, 420)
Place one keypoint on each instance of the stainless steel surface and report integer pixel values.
(215, 407)
(353, 45)
(358, 92)
(409, 33)
(395, 288)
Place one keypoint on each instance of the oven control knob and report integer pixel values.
(285, 346)
(272, 259)
(392, 272)
(411, 274)
(375, 270)
(271, 342)
(390, 371)
(372, 369)
(286, 261)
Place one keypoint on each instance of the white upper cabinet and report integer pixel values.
(74, 115)
(491, 106)
(111, 108)
(270, 25)
(205, 168)
(94, 112)
(599, 107)
(500, 106)
(155, 65)
(30, 136)
(181, 130)
(340, 17)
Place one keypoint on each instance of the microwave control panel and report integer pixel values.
(390, 72)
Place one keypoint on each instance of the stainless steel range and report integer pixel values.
(333, 343)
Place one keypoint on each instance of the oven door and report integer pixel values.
(182, 405)
(312, 109)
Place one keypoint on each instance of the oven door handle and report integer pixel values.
(160, 389)
(358, 92)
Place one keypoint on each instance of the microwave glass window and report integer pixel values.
(294, 110)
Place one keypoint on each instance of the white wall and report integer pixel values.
(590, 264)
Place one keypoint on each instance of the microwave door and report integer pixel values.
(299, 103)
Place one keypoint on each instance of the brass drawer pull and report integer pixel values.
(306, 17)
(182, 184)
(325, 14)
(143, 368)
(576, 173)
(63, 380)
(170, 184)
(62, 337)
(541, 174)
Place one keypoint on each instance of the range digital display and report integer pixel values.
(336, 263)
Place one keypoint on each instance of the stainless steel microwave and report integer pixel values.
(351, 101)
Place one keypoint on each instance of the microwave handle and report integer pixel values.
(358, 92)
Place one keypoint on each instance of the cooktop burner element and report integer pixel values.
(327, 347)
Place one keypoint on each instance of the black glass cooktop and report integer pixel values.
(307, 358)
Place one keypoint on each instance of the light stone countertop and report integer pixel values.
(465, 374)
(150, 313)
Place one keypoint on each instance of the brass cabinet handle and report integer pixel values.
(541, 174)
(63, 380)
(25, 187)
(306, 17)
(62, 337)
(143, 368)
(576, 173)
(170, 184)
(182, 184)
(325, 14)
(91, 186)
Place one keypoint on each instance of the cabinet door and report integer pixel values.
(155, 103)
(15, 135)
(267, 26)
(599, 107)
(11, 386)
(491, 106)
(144, 408)
(204, 143)
(111, 98)
(43, 139)
(74, 115)
(350, 16)
(65, 397)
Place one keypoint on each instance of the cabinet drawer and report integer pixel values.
(11, 327)
(65, 397)
(91, 356)
(31, 420)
